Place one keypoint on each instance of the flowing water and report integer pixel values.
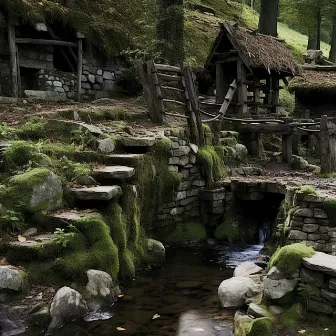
(177, 300)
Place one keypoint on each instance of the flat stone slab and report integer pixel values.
(101, 193)
(321, 262)
(114, 172)
(124, 159)
(138, 142)
(73, 215)
(40, 240)
(45, 95)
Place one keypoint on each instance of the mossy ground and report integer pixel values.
(186, 232)
(288, 258)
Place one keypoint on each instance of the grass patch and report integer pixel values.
(308, 190)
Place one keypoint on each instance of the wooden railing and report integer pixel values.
(166, 86)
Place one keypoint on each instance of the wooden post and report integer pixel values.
(328, 146)
(195, 122)
(156, 92)
(242, 88)
(275, 94)
(256, 93)
(13, 60)
(257, 145)
(18, 71)
(287, 148)
(79, 65)
(220, 83)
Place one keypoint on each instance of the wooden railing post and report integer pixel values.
(287, 148)
(13, 60)
(79, 64)
(328, 146)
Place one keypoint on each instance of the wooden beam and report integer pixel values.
(264, 128)
(220, 83)
(328, 146)
(55, 43)
(169, 68)
(228, 59)
(79, 67)
(275, 95)
(241, 88)
(13, 60)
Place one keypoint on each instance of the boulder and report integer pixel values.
(106, 146)
(233, 292)
(101, 289)
(321, 262)
(277, 286)
(66, 306)
(247, 268)
(157, 252)
(241, 152)
(256, 311)
(34, 191)
(13, 278)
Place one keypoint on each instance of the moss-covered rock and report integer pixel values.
(187, 232)
(37, 190)
(229, 230)
(261, 326)
(288, 258)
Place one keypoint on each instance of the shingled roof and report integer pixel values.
(314, 78)
(256, 50)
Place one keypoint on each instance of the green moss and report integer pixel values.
(229, 141)
(186, 232)
(288, 258)
(210, 165)
(126, 265)
(179, 132)
(31, 130)
(229, 230)
(261, 326)
(308, 190)
(329, 205)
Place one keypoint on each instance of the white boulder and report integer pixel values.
(246, 269)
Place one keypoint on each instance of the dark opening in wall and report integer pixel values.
(29, 78)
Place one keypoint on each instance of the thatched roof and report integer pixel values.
(256, 50)
(314, 78)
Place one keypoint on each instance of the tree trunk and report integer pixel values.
(332, 54)
(268, 21)
(312, 41)
(318, 31)
(170, 31)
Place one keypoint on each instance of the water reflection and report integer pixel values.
(178, 300)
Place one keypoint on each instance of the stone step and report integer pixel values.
(114, 172)
(100, 193)
(69, 216)
(124, 159)
(138, 142)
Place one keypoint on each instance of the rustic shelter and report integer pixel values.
(258, 63)
(315, 90)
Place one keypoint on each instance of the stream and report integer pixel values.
(179, 299)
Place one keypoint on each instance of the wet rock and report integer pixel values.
(157, 252)
(189, 284)
(67, 305)
(30, 232)
(40, 316)
(256, 311)
(247, 268)
(13, 279)
(100, 289)
(277, 286)
(233, 292)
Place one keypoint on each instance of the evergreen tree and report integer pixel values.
(268, 21)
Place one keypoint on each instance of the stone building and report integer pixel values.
(47, 64)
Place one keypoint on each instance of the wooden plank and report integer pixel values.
(79, 67)
(169, 68)
(264, 128)
(241, 88)
(142, 70)
(227, 60)
(287, 148)
(195, 118)
(13, 60)
(174, 102)
(177, 115)
(55, 43)
(275, 95)
(169, 78)
(171, 88)
(156, 91)
(328, 146)
(220, 83)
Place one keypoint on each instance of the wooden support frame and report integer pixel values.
(328, 146)
(13, 60)
(241, 87)
(220, 83)
(275, 94)
(287, 148)
(55, 43)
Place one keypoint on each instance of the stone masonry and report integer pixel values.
(309, 223)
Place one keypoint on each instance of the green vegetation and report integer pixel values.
(308, 190)
(186, 232)
(229, 230)
(329, 205)
(261, 326)
(210, 165)
(288, 258)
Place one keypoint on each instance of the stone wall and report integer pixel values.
(5, 88)
(309, 223)
(319, 272)
(184, 205)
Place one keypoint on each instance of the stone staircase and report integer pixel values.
(119, 169)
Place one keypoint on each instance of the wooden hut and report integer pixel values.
(315, 90)
(258, 63)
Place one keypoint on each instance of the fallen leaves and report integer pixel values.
(3, 261)
(302, 331)
(121, 329)
(156, 316)
(21, 239)
(198, 329)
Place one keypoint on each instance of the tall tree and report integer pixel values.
(170, 30)
(268, 21)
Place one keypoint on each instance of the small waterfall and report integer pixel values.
(264, 232)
